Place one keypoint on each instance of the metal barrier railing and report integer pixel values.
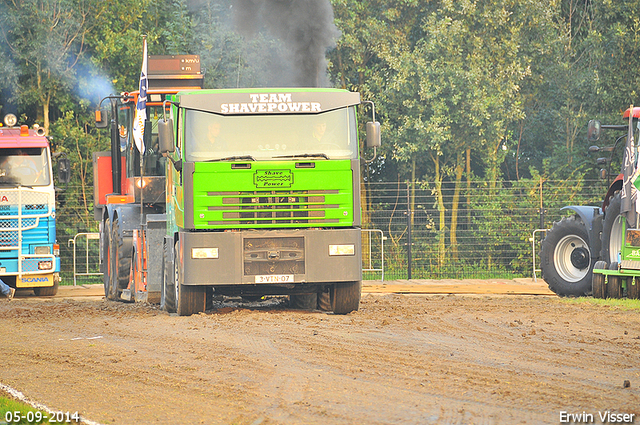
(88, 237)
(532, 239)
(368, 263)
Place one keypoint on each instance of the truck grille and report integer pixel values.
(33, 203)
(264, 256)
(20, 212)
(274, 207)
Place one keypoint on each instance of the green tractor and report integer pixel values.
(597, 249)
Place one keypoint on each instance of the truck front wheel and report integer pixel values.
(189, 299)
(106, 252)
(345, 297)
(303, 301)
(168, 293)
(48, 291)
(566, 258)
(121, 261)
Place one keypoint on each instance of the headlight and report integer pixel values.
(204, 252)
(335, 250)
(10, 120)
(43, 250)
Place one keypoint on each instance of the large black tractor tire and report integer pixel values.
(614, 286)
(106, 247)
(345, 297)
(566, 258)
(303, 301)
(189, 299)
(168, 289)
(633, 288)
(612, 236)
(598, 287)
(121, 260)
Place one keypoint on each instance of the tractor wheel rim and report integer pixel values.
(572, 258)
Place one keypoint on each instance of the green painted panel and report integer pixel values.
(273, 194)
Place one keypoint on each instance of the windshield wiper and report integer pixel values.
(234, 158)
(305, 155)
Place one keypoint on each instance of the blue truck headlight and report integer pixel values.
(43, 250)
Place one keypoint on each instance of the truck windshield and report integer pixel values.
(330, 135)
(24, 167)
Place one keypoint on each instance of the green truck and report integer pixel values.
(262, 197)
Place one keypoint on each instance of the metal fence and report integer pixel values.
(478, 230)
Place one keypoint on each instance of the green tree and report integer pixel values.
(46, 39)
(457, 91)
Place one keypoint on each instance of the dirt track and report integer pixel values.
(400, 359)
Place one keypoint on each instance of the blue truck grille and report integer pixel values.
(27, 220)
(24, 212)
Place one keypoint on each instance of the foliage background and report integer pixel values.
(493, 94)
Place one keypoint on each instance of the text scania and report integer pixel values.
(35, 279)
(270, 103)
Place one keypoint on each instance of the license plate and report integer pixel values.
(274, 278)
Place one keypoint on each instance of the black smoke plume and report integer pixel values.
(305, 27)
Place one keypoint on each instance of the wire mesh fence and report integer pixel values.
(473, 230)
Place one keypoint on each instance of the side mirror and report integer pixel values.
(64, 170)
(593, 130)
(165, 136)
(101, 118)
(373, 135)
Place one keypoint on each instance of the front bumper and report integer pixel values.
(248, 257)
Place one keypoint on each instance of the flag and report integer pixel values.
(628, 194)
(141, 106)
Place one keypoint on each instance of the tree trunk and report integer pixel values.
(413, 189)
(441, 209)
(468, 188)
(453, 236)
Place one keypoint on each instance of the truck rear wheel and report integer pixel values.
(346, 297)
(599, 289)
(614, 287)
(189, 299)
(566, 258)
